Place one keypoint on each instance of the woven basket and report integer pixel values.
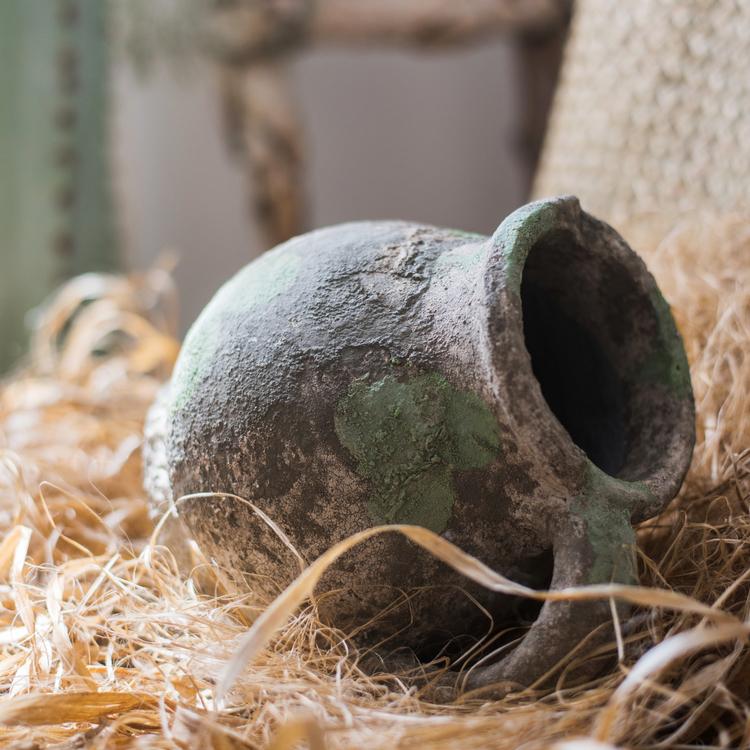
(652, 113)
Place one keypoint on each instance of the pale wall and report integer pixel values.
(428, 137)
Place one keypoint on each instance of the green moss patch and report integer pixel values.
(408, 438)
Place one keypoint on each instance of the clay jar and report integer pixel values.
(525, 395)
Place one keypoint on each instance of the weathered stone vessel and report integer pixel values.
(525, 395)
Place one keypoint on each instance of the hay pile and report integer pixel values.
(102, 644)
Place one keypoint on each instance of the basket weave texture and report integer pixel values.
(652, 113)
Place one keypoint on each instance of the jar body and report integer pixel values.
(380, 373)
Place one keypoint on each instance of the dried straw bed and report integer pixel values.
(102, 644)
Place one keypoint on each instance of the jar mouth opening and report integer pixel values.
(599, 342)
(582, 386)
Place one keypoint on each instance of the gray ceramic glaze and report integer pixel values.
(524, 395)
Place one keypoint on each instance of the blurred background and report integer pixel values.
(430, 137)
(211, 130)
(214, 129)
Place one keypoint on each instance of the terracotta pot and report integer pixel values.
(526, 396)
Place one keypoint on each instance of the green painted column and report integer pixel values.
(56, 215)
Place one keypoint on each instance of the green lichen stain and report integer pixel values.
(606, 505)
(463, 257)
(408, 438)
(261, 281)
(667, 364)
(197, 351)
(467, 235)
(255, 285)
(520, 231)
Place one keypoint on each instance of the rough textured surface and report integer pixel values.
(379, 372)
(408, 438)
(649, 119)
